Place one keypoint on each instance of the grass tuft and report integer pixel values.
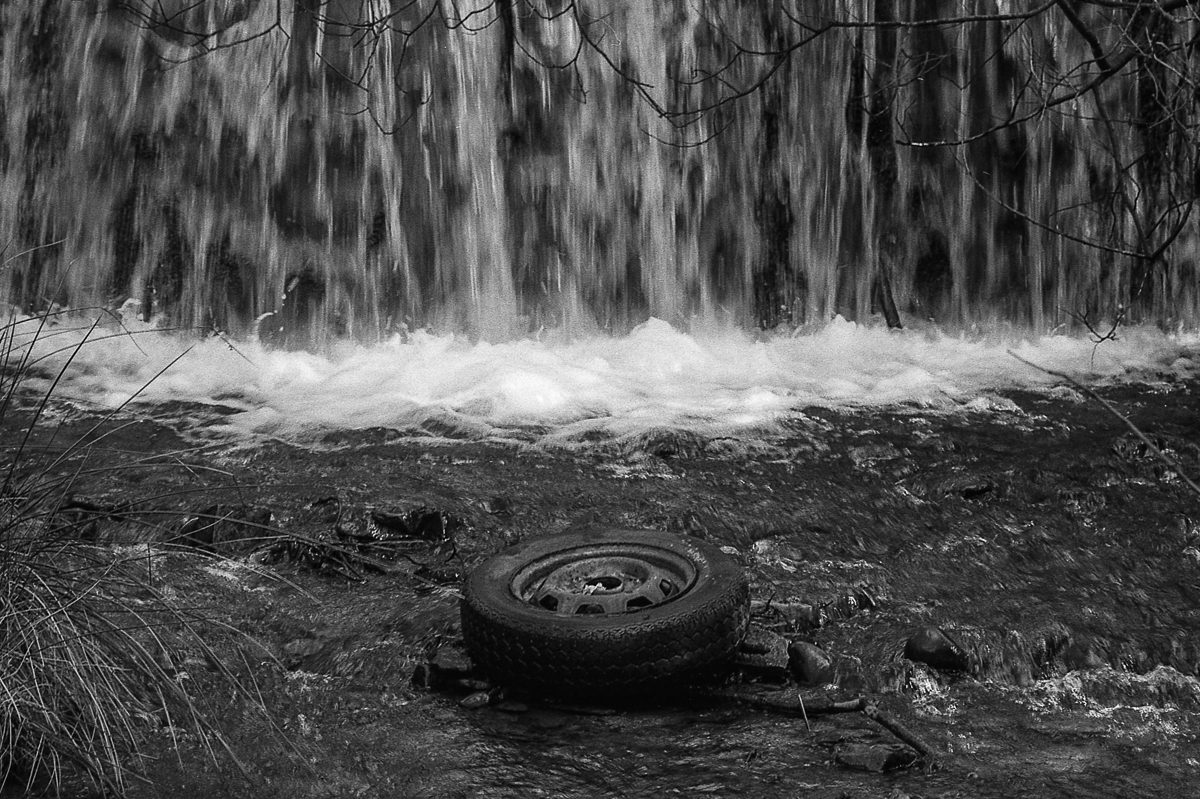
(90, 648)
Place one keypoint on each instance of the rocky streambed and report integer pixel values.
(1017, 583)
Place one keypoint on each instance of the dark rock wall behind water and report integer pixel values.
(411, 164)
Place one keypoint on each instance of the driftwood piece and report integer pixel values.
(927, 752)
(791, 702)
(795, 704)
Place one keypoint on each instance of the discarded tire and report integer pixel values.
(604, 611)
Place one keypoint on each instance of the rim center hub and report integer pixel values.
(603, 580)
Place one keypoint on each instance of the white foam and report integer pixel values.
(711, 381)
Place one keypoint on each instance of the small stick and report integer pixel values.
(789, 702)
(804, 712)
(872, 711)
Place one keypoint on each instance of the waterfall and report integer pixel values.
(502, 167)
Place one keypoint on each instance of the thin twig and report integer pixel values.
(804, 712)
(1158, 453)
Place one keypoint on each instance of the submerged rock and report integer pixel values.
(476, 700)
(875, 757)
(425, 523)
(809, 663)
(796, 615)
(764, 654)
(868, 454)
(225, 527)
(933, 647)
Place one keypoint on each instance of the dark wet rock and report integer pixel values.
(796, 615)
(422, 522)
(498, 506)
(934, 647)
(966, 486)
(861, 598)
(877, 758)
(763, 654)
(429, 677)
(224, 527)
(809, 663)
(477, 700)
(1012, 657)
(869, 454)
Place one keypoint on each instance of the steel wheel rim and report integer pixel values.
(603, 580)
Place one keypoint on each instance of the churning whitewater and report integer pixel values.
(712, 381)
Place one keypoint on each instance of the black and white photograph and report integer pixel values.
(562, 399)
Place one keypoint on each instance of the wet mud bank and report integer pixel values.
(1017, 582)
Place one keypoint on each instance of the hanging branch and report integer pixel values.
(1108, 406)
